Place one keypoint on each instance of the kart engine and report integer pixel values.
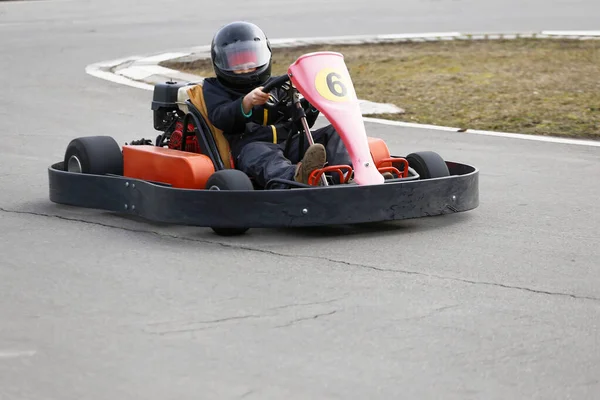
(168, 118)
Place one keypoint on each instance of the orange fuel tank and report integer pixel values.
(178, 168)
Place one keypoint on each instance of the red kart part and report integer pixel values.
(387, 165)
(315, 177)
(379, 151)
(191, 143)
(345, 171)
(179, 169)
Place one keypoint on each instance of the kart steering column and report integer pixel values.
(301, 115)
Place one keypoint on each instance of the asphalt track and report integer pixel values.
(500, 302)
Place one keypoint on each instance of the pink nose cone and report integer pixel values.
(324, 80)
(366, 173)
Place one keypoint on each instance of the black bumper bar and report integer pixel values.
(332, 205)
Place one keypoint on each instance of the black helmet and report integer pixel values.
(238, 46)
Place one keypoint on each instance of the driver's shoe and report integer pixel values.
(314, 158)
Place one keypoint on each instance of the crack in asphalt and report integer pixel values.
(212, 321)
(187, 326)
(321, 258)
(431, 313)
(203, 323)
(166, 332)
(304, 304)
(472, 282)
(295, 321)
(248, 393)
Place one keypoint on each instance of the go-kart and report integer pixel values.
(187, 176)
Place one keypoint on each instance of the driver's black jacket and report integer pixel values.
(224, 107)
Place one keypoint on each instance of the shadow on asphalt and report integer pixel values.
(375, 229)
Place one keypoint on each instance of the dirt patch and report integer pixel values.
(534, 86)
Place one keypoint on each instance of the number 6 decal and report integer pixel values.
(333, 84)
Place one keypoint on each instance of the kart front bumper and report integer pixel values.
(333, 205)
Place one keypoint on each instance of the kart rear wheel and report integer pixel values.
(98, 155)
(428, 164)
(229, 179)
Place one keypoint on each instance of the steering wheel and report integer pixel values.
(277, 103)
(277, 82)
(283, 106)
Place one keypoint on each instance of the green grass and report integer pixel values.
(532, 86)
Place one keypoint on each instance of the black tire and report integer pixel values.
(96, 155)
(428, 164)
(229, 179)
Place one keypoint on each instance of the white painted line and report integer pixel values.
(538, 138)
(360, 38)
(409, 124)
(114, 63)
(369, 107)
(419, 35)
(109, 76)
(162, 57)
(321, 39)
(548, 139)
(141, 72)
(17, 353)
(572, 33)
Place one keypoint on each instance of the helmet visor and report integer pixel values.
(242, 55)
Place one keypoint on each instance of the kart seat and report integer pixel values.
(193, 93)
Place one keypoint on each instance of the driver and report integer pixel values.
(258, 137)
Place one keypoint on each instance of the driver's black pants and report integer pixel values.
(265, 161)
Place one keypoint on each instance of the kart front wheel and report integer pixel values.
(98, 155)
(229, 179)
(428, 164)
